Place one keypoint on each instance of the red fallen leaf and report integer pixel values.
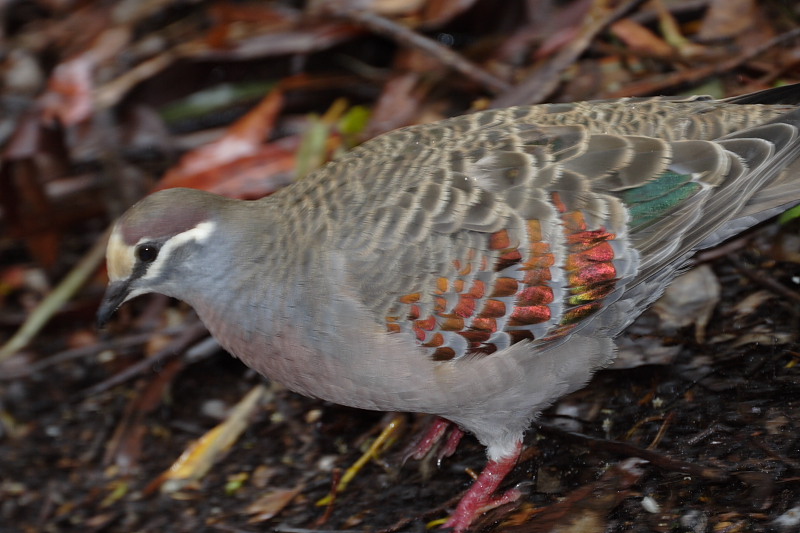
(70, 90)
(258, 176)
(266, 16)
(253, 176)
(13, 278)
(200, 168)
(233, 22)
(398, 105)
(23, 198)
(438, 12)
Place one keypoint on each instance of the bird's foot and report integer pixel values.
(480, 496)
(433, 435)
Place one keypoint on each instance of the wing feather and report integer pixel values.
(528, 223)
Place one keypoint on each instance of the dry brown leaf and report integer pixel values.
(690, 299)
(271, 503)
(438, 12)
(752, 302)
(390, 8)
(640, 40)
(727, 18)
(787, 247)
(767, 338)
(586, 509)
(672, 33)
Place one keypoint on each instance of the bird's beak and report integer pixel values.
(116, 293)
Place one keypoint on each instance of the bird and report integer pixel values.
(477, 268)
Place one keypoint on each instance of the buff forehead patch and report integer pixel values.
(119, 257)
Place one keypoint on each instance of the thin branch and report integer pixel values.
(765, 280)
(192, 334)
(649, 86)
(623, 448)
(543, 81)
(409, 38)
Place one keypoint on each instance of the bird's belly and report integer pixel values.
(378, 371)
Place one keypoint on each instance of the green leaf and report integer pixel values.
(313, 147)
(790, 215)
(213, 99)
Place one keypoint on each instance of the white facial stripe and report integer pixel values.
(199, 233)
(133, 294)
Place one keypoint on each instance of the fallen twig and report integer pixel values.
(412, 39)
(623, 448)
(544, 80)
(193, 332)
(649, 86)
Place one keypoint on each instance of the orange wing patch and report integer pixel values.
(591, 274)
(470, 311)
(495, 298)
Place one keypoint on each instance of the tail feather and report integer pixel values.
(761, 183)
(775, 183)
(786, 94)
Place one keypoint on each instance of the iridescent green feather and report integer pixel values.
(658, 197)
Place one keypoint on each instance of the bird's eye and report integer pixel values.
(146, 253)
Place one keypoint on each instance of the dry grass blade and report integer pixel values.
(56, 299)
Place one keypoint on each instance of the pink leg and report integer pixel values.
(450, 446)
(432, 435)
(480, 496)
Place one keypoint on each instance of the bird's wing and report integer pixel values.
(530, 223)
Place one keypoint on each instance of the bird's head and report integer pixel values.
(152, 244)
